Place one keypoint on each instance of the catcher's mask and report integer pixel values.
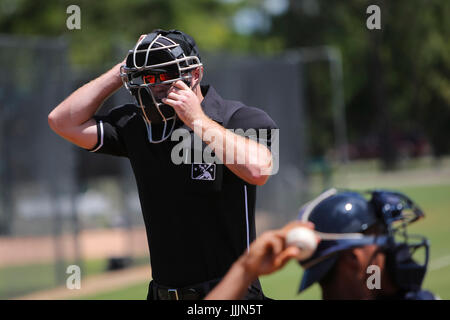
(343, 217)
(158, 60)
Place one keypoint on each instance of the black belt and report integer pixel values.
(194, 292)
(179, 294)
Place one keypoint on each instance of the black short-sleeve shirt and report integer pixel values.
(199, 217)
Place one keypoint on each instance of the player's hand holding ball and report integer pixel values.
(273, 249)
(303, 238)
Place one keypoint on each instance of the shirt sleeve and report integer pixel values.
(109, 139)
(255, 124)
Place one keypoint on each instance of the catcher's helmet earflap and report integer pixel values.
(343, 217)
(167, 56)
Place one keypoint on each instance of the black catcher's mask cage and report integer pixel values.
(160, 52)
(407, 254)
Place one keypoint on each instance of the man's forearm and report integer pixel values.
(82, 104)
(234, 285)
(248, 159)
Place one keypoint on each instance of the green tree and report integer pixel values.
(109, 26)
(396, 78)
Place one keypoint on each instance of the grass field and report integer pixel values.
(434, 201)
(18, 280)
(24, 279)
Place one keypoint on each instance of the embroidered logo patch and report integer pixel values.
(203, 171)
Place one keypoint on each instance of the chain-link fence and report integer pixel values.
(53, 212)
(274, 85)
(36, 167)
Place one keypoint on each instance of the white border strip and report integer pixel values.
(101, 136)
(246, 219)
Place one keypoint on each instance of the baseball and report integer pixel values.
(303, 238)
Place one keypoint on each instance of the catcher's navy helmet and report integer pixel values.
(341, 218)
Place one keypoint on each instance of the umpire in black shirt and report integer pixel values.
(199, 213)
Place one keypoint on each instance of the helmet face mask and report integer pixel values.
(407, 262)
(152, 66)
(407, 254)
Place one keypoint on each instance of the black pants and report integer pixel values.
(197, 292)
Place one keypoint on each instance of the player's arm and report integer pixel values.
(248, 159)
(73, 119)
(267, 254)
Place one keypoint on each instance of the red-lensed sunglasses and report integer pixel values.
(151, 78)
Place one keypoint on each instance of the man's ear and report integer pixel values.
(197, 75)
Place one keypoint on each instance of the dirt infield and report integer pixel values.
(93, 244)
(95, 284)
